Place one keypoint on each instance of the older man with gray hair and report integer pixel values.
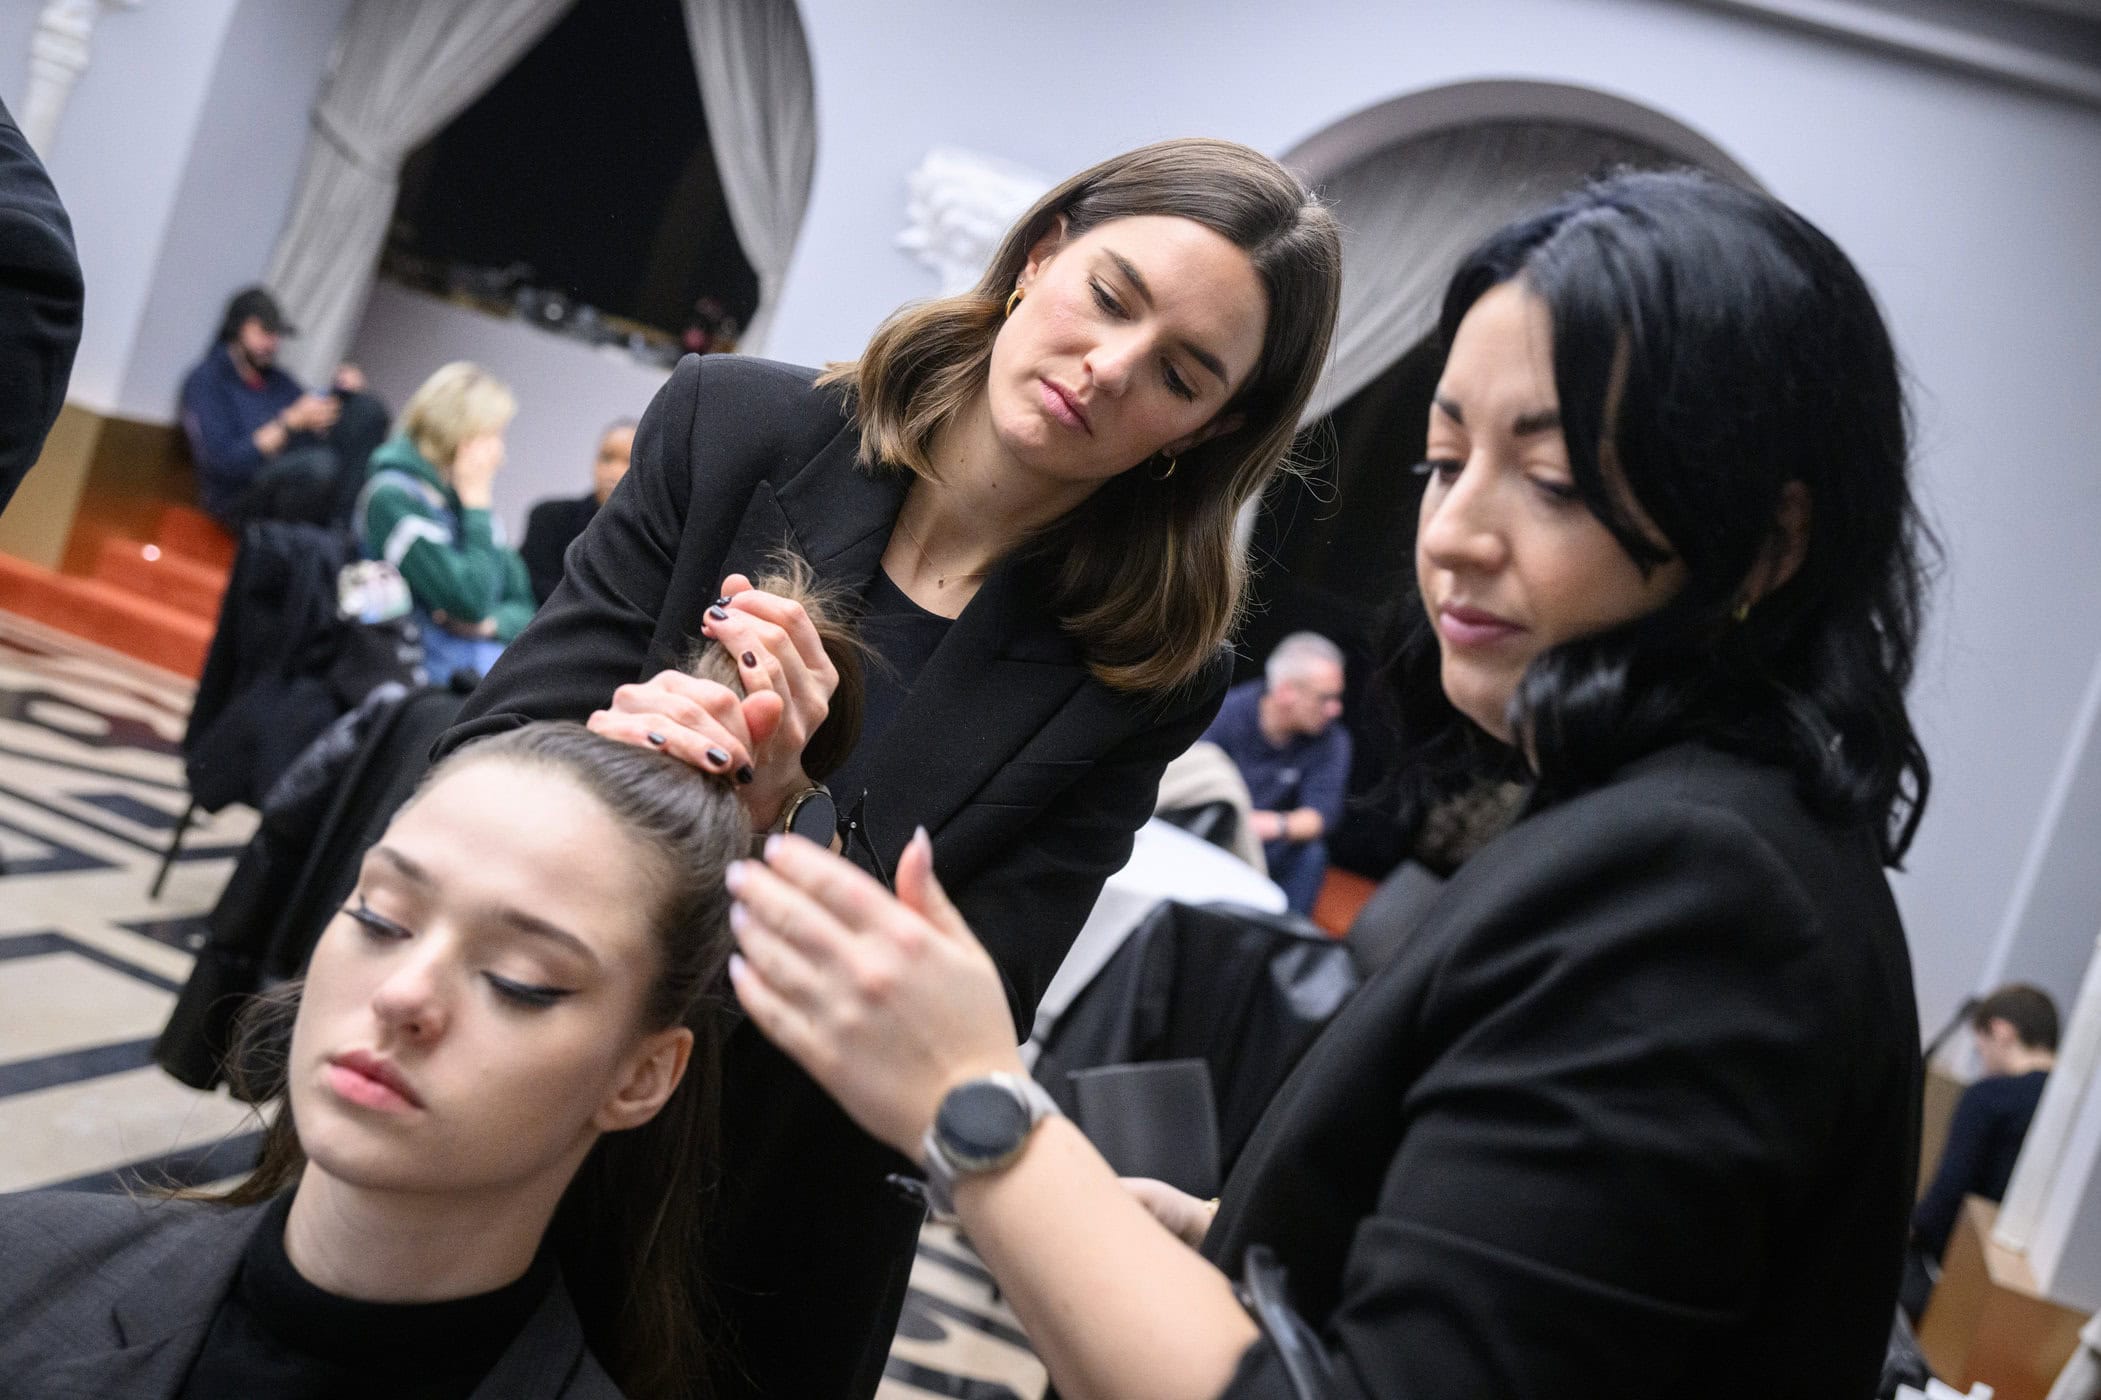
(1281, 732)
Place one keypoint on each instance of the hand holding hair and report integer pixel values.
(888, 1001)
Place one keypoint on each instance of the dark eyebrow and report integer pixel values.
(1197, 352)
(1545, 420)
(518, 919)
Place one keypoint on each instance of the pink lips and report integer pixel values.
(371, 1082)
(1065, 408)
(1470, 627)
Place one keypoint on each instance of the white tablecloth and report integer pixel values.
(1166, 863)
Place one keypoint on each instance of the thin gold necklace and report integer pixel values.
(940, 579)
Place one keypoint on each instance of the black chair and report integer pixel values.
(265, 691)
(1241, 991)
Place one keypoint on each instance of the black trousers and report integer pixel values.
(315, 479)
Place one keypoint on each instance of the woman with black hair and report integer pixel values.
(1632, 1109)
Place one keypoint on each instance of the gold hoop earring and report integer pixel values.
(1013, 301)
(1162, 476)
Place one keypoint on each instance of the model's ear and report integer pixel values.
(1785, 547)
(1042, 251)
(1223, 423)
(646, 1081)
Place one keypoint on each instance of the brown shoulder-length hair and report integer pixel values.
(1145, 573)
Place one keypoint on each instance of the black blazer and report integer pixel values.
(110, 1298)
(550, 528)
(1631, 1112)
(40, 299)
(1030, 775)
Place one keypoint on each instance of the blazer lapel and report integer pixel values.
(835, 515)
(160, 1320)
(998, 677)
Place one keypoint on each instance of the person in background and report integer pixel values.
(425, 510)
(2016, 1034)
(40, 297)
(267, 449)
(487, 1151)
(554, 525)
(1284, 734)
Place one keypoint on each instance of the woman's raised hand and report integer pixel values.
(788, 684)
(888, 1001)
(699, 721)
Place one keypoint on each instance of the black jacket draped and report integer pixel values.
(1632, 1112)
(1030, 775)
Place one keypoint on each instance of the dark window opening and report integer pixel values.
(580, 192)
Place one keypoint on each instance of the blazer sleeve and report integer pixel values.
(593, 635)
(40, 305)
(1631, 1062)
(1028, 905)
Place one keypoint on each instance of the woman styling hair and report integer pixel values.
(1632, 1109)
(1031, 490)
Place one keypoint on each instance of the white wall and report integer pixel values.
(567, 391)
(235, 192)
(118, 159)
(1970, 206)
(176, 158)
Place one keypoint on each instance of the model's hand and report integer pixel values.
(1186, 1217)
(311, 413)
(887, 1001)
(350, 379)
(788, 685)
(474, 468)
(699, 721)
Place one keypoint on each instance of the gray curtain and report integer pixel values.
(761, 105)
(402, 69)
(1411, 211)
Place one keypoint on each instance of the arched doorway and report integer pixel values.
(1416, 182)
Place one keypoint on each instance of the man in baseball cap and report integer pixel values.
(266, 449)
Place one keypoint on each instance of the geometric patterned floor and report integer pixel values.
(91, 787)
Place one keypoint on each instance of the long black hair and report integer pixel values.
(1710, 348)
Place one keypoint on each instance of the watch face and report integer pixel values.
(815, 818)
(982, 1124)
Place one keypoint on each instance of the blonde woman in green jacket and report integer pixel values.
(425, 510)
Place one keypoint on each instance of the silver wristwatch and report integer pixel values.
(982, 1126)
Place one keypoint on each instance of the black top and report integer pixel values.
(1631, 1111)
(903, 637)
(40, 298)
(276, 1334)
(1984, 1138)
(549, 531)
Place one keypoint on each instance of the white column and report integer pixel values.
(58, 55)
(2052, 1210)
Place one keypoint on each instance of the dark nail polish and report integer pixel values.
(718, 614)
(723, 601)
(718, 758)
(750, 659)
(745, 775)
(656, 738)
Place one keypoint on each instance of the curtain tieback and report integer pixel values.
(325, 127)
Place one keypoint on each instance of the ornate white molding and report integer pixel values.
(58, 55)
(958, 205)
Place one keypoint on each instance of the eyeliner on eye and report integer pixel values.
(525, 994)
